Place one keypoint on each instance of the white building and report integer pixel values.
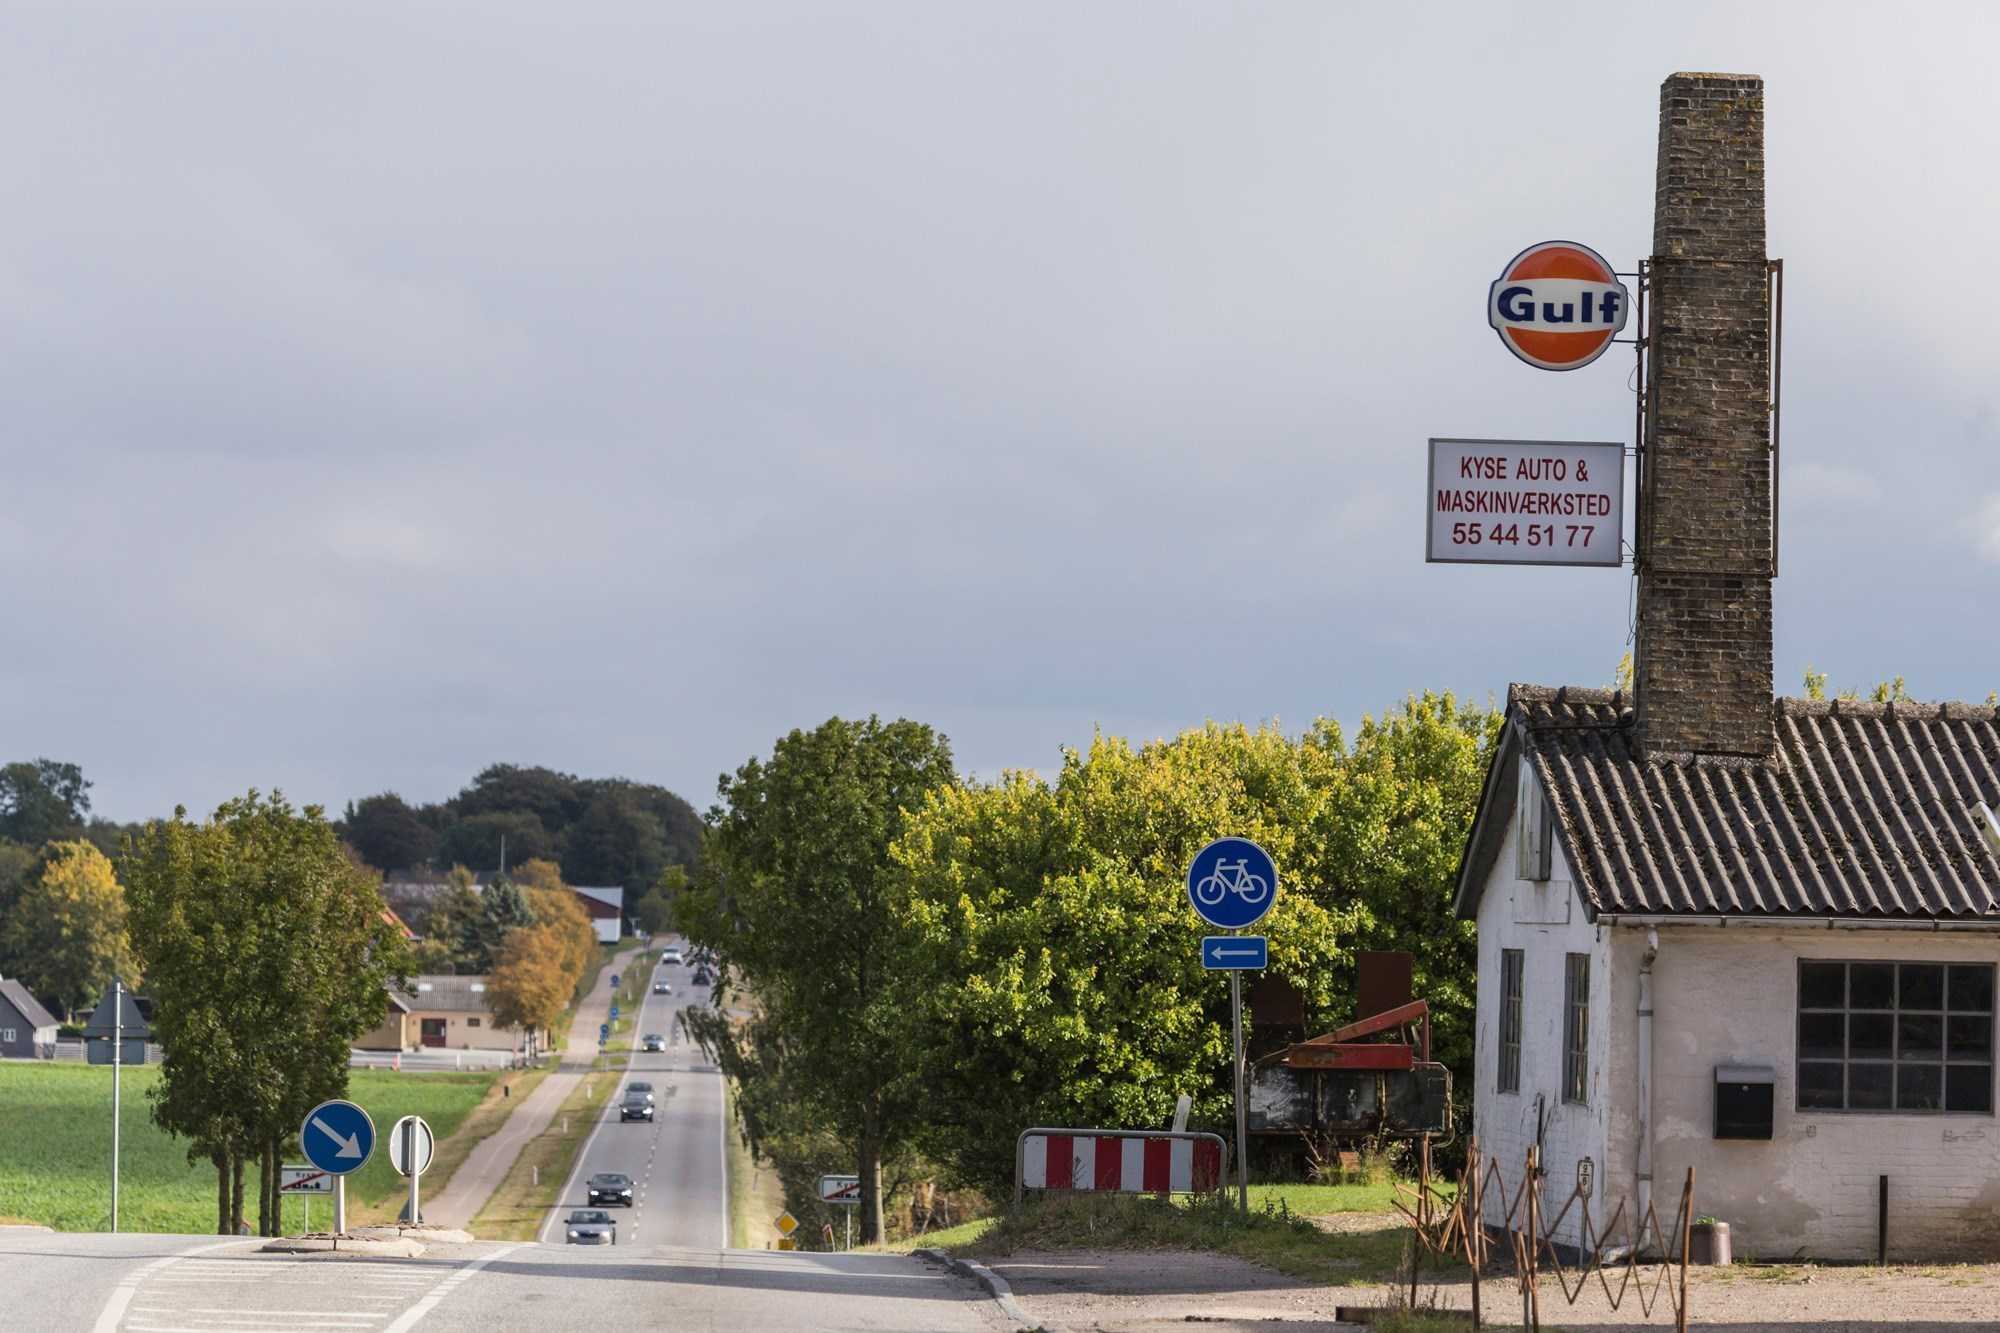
(1754, 937)
(1823, 922)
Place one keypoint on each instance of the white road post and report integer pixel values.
(410, 1159)
(117, 1069)
(339, 1209)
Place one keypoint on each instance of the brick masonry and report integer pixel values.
(1703, 681)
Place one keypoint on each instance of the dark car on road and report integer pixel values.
(635, 1107)
(591, 1226)
(703, 977)
(611, 1187)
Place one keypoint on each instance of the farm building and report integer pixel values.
(443, 1013)
(1718, 930)
(27, 1031)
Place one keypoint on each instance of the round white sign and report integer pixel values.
(411, 1139)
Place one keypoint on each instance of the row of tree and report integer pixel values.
(266, 952)
(600, 831)
(936, 963)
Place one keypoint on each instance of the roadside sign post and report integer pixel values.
(117, 1068)
(338, 1137)
(304, 1181)
(786, 1225)
(411, 1145)
(1232, 883)
(844, 1191)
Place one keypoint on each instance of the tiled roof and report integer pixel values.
(1862, 810)
(458, 994)
(26, 1005)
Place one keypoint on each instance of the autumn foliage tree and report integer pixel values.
(65, 933)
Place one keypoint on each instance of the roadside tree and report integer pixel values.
(266, 954)
(65, 933)
(796, 892)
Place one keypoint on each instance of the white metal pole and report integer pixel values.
(339, 1206)
(850, 1228)
(410, 1160)
(1242, 1116)
(117, 1070)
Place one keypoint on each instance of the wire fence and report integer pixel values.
(1449, 1219)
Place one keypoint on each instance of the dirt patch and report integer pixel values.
(1126, 1291)
(1134, 1291)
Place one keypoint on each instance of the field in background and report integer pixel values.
(55, 1147)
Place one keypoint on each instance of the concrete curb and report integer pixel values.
(993, 1284)
(358, 1246)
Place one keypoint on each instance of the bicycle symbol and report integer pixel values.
(1213, 887)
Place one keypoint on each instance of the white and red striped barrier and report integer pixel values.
(1124, 1161)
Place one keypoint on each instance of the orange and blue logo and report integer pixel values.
(1558, 305)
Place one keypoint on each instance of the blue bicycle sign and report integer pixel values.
(1232, 883)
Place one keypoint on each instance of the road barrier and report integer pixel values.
(1123, 1161)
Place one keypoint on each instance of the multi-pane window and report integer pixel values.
(1896, 1037)
(1510, 1020)
(6, 1034)
(1576, 1027)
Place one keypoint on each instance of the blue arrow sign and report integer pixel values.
(1235, 953)
(614, 1011)
(1232, 882)
(603, 1031)
(614, 981)
(338, 1137)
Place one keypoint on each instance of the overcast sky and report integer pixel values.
(393, 390)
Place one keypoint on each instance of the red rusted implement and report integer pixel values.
(1351, 1055)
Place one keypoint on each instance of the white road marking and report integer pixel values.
(370, 1317)
(409, 1317)
(121, 1295)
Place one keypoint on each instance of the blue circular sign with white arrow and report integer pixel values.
(338, 1137)
(1232, 883)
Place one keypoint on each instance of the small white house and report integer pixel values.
(1778, 971)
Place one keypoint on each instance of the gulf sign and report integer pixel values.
(1557, 305)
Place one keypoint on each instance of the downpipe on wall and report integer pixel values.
(1646, 1071)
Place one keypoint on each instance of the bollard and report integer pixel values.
(534, 1175)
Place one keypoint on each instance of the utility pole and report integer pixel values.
(117, 1069)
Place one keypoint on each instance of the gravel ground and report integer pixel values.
(1150, 1291)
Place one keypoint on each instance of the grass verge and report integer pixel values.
(1274, 1235)
(756, 1195)
(506, 1093)
(534, 1183)
(55, 1146)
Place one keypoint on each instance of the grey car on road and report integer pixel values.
(591, 1226)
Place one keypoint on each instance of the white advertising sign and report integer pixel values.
(1525, 502)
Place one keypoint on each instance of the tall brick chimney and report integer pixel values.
(1703, 670)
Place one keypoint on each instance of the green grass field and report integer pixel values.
(55, 1147)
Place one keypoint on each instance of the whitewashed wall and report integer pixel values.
(1729, 996)
(1546, 922)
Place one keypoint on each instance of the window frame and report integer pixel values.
(1513, 969)
(1534, 859)
(1576, 1029)
(1894, 1013)
(8, 1035)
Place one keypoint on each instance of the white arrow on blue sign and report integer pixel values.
(1235, 953)
(1232, 882)
(338, 1137)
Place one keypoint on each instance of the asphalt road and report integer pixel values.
(679, 1184)
(197, 1284)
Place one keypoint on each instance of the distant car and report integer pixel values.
(662, 988)
(591, 1226)
(704, 977)
(670, 955)
(611, 1187)
(641, 1087)
(655, 1042)
(636, 1106)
